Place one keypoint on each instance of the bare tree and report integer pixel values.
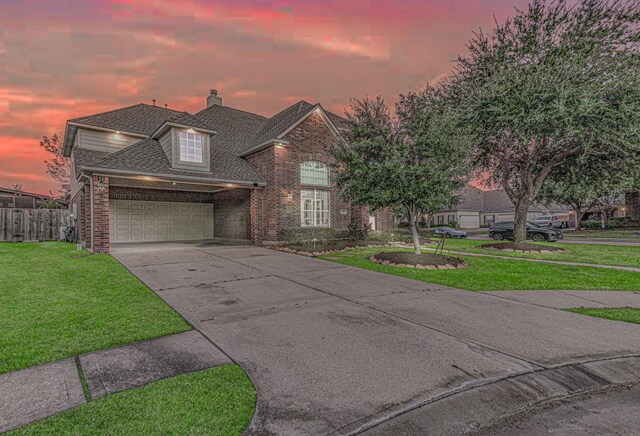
(58, 166)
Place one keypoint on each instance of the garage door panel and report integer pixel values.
(140, 221)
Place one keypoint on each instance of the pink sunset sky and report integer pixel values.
(65, 58)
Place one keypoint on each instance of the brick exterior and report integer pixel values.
(310, 140)
(258, 214)
(143, 194)
(101, 214)
(232, 214)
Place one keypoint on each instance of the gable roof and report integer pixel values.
(281, 121)
(147, 157)
(141, 118)
(235, 127)
(236, 133)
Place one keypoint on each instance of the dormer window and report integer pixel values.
(191, 147)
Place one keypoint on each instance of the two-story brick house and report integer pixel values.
(145, 173)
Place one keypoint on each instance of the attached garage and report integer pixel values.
(469, 221)
(147, 221)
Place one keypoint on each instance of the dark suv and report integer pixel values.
(504, 230)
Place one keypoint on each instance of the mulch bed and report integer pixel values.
(339, 247)
(418, 261)
(322, 249)
(522, 248)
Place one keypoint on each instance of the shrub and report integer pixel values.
(453, 224)
(357, 232)
(301, 235)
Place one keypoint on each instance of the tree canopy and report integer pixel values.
(554, 82)
(415, 160)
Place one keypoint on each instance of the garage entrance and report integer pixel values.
(150, 221)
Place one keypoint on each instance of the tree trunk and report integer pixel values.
(578, 219)
(413, 225)
(520, 221)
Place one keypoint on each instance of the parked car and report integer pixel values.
(504, 230)
(449, 232)
(551, 221)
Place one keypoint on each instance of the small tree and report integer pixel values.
(552, 83)
(58, 167)
(16, 186)
(415, 161)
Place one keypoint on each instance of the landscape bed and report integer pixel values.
(405, 259)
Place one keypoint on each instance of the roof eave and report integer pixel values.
(264, 145)
(171, 177)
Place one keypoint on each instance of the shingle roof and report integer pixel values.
(83, 157)
(235, 127)
(147, 156)
(141, 118)
(281, 122)
(237, 132)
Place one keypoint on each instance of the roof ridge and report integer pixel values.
(234, 109)
(107, 112)
(160, 107)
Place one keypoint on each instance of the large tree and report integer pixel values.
(591, 182)
(58, 166)
(415, 161)
(554, 82)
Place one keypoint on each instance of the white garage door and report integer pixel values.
(469, 221)
(142, 221)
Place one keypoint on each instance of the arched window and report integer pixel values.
(314, 173)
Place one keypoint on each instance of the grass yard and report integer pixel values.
(622, 235)
(596, 254)
(485, 273)
(218, 401)
(627, 314)
(56, 303)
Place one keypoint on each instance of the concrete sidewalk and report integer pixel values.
(34, 393)
(336, 349)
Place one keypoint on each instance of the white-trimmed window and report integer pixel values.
(315, 173)
(315, 208)
(191, 147)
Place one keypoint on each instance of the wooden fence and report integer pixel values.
(32, 224)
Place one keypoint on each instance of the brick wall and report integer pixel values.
(268, 199)
(231, 214)
(100, 214)
(280, 166)
(144, 194)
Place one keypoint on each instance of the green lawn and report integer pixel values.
(485, 273)
(217, 401)
(623, 235)
(56, 303)
(597, 254)
(627, 314)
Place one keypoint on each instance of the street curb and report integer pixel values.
(485, 402)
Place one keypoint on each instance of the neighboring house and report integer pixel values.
(479, 208)
(10, 198)
(145, 173)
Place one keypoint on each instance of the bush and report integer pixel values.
(357, 232)
(453, 224)
(301, 235)
(591, 224)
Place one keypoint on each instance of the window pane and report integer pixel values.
(314, 208)
(314, 173)
(190, 147)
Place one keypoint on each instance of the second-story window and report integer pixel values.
(315, 173)
(191, 147)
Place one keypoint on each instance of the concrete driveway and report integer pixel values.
(334, 349)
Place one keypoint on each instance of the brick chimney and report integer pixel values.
(213, 99)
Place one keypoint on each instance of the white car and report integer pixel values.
(551, 221)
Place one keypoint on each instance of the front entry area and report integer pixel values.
(154, 221)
